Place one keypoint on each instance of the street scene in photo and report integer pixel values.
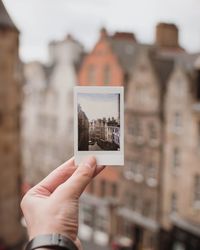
(98, 121)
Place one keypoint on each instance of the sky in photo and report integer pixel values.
(41, 21)
(99, 105)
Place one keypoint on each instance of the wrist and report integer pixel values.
(51, 241)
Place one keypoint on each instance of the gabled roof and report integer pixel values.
(5, 20)
(125, 51)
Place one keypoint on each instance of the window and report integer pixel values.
(176, 158)
(127, 228)
(151, 175)
(128, 171)
(102, 188)
(177, 120)
(197, 188)
(140, 94)
(126, 198)
(147, 208)
(152, 132)
(88, 213)
(91, 73)
(107, 74)
(198, 85)
(152, 171)
(134, 170)
(180, 86)
(198, 136)
(174, 203)
(133, 202)
(101, 220)
(137, 128)
(91, 187)
(134, 127)
(114, 189)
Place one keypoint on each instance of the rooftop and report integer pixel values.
(5, 20)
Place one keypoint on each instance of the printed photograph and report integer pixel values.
(98, 121)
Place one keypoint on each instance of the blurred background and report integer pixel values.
(152, 48)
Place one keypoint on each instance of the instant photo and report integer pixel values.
(99, 124)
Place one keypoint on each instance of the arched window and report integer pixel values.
(174, 203)
(91, 74)
(152, 132)
(197, 188)
(176, 158)
(177, 120)
(107, 74)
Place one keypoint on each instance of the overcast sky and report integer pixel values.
(41, 21)
(98, 106)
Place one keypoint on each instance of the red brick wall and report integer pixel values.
(101, 56)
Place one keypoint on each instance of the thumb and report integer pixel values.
(76, 184)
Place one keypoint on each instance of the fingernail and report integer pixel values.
(90, 161)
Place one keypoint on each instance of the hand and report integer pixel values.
(52, 205)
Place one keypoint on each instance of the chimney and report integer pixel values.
(103, 33)
(167, 35)
(124, 36)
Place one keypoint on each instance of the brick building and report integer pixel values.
(11, 234)
(109, 63)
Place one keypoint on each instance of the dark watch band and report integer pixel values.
(53, 241)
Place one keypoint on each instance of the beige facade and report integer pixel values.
(10, 104)
(47, 116)
(143, 136)
(181, 200)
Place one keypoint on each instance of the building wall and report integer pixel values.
(143, 130)
(181, 134)
(10, 159)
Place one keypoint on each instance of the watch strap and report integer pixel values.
(53, 241)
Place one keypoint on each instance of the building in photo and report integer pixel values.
(98, 110)
(83, 130)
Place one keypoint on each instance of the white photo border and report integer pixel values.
(115, 158)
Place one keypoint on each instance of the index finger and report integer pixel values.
(55, 178)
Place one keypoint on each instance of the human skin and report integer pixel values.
(52, 205)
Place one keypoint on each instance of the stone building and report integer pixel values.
(181, 173)
(106, 132)
(11, 234)
(140, 194)
(83, 130)
(47, 116)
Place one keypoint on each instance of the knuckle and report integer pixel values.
(86, 172)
